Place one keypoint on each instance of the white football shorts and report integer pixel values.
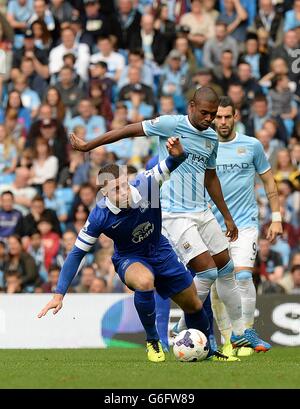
(192, 234)
(243, 251)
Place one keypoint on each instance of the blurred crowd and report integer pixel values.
(88, 66)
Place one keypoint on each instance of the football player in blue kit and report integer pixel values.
(130, 214)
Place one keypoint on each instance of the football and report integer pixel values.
(190, 346)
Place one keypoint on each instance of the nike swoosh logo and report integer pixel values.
(116, 225)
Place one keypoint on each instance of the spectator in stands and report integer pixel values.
(53, 200)
(237, 94)
(225, 72)
(214, 47)
(54, 100)
(8, 156)
(203, 78)
(285, 169)
(259, 61)
(42, 12)
(292, 206)
(37, 251)
(68, 45)
(66, 245)
(94, 124)
(38, 56)
(101, 102)
(9, 217)
(292, 17)
(187, 56)
(81, 36)
(134, 77)
(201, 24)
(136, 58)
(22, 262)
(45, 165)
(98, 286)
(2, 261)
(295, 155)
(265, 137)
(70, 91)
(249, 83)
(18, 14)
(98, 75)
(14, 101)
(41, 35)
(235, 16)
(151, 41)
(30, 98)
(50, 239)
(115, 61)
(61, 10)
(15, 128)
(164, 25)
(166, 105)
(53, 275)
(270, 20)
(80, 215)
(291, 283)
(35, 82)
(269, 262)
(259, 114)
(13, 282)
(129, 23)
(22, 192)
(282, 102)
(87, 276)
(288, 51)
(28, 223)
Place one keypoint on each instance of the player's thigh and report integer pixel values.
(188, 299)
(243, 251)
(139, 276)
(183, 234)
(212, 235)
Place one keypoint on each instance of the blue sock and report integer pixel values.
(198, 320)
(162, 319)
(209, 313)
(145, 305)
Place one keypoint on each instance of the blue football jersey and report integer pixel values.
(136, 231)
(237, 163)
(184, 192)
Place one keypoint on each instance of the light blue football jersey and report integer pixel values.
(237, 163)
(185, 191)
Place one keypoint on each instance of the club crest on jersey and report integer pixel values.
(241, 150)
(142, 231)
(208, 144)
(154, 121)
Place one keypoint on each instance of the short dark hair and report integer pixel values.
(205, 94)
(109, 172)
(38, 198)
(226, 101)
(137, 51)
(50, 181)
(260, 98)
(7, 192)
(53, 267)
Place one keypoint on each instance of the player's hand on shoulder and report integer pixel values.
(174, 146)
(232, 231)
(55, 304)
(77, 143)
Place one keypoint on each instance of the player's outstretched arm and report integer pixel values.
(213, 187)
(275, 228)
(129, 131)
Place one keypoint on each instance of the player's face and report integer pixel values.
(201, 114)
(118, 192)
(224, 121)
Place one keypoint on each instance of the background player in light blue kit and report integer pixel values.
(187, 221)
(239, 159)
(130, 214)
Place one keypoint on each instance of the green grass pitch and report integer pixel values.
(129, 368)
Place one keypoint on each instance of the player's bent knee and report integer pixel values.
(243, 275)
(145, 284)
(227, 269)
(209, 274)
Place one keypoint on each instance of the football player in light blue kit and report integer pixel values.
(188, 223)
(239, 159)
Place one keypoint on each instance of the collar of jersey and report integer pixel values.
(232, 140)
(190, 124)
(136, 197)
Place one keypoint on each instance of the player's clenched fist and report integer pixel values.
(174, 146)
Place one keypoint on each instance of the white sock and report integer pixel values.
(248, 297)
(220, 314)
(229, 293)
